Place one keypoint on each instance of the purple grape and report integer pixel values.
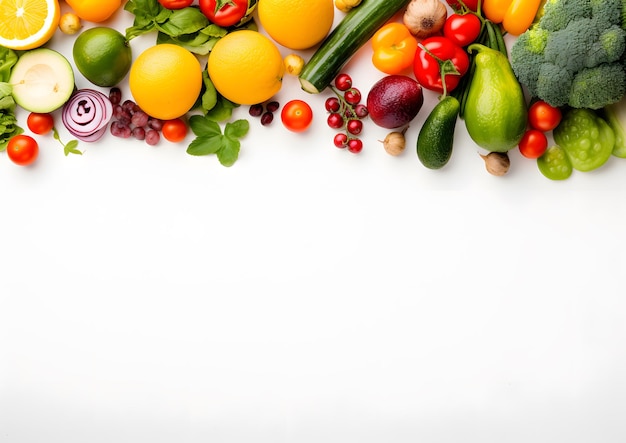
(152, 137)
(139, 119)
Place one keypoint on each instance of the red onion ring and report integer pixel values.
(86, 114)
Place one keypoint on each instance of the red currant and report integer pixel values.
(355, 145)
(361, 111)
(353, 96)
(354, 127)
(341, 140)
(332, 104)
(343, 82)
(335, 120)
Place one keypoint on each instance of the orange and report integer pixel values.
(28, 24)
(165, 81)
(246, 67)
(94, 10)
(297, 24)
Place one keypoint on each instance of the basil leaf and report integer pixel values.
(230, 152)
(237, 129)
(204, 127)
(205, 145)
(184, 21)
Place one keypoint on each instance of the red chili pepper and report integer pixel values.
(224, 13)
(175, 4)
(438, 58)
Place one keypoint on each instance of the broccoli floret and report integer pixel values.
(553, 84)
(597, 87)
(574, 54)
(557, 14)
(603, 11)
(608, 48)
(569, 47)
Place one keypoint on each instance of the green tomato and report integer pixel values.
(587, 139)
(555, 164)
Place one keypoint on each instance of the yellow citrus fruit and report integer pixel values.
(165, 81)
(28, 24)
(102, 55)
(297, 24)
(94, 10)
(246, 67)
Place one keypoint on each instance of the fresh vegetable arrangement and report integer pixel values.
(545, 77)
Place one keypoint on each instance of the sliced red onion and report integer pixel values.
(86, 114)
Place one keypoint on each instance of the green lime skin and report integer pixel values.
(102, 55)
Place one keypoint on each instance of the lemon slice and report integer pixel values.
(28, 24)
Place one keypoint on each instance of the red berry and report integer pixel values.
(361, 110)
(354, 127)
(335, 120)
(355, 145)
(343, 82)
(353, 96)
(341, 140)
(332, 104)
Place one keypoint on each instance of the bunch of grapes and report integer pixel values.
(267, 114)
(130, 121)
(345, 111)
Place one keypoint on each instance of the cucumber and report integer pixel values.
(435, 139)
(354, 30)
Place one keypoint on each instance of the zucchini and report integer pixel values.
(354, 30)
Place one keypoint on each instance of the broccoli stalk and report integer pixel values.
(615, 115)
(574, 54)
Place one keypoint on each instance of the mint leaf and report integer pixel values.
(203, 127)
(237, 129)
(230, 151)
(205, 145)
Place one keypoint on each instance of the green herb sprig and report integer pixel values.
(210, 139)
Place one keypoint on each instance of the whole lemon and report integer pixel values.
(165, 80)
(102, 55)
(246, 67)
(297, 24)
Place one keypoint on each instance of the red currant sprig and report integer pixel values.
(345, 111)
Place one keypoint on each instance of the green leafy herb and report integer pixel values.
(210, 139)
(187, 27)
(8, 121)
(70, 147)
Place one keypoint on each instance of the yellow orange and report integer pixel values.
(297, 24)
(28, 24)
(165, 81)
(94, 10)
(246, 67)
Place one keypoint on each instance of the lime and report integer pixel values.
(102, 55)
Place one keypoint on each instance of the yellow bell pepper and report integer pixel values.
(516, 16)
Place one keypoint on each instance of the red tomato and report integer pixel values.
(22, 149)
(533, 144)
(457, 6)
(428, 70)
(543, 116)
(174, 130)
(224, 13)
(40, 123)
(462, 29)
(296, 115)
(175, 4)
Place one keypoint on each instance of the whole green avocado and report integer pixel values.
(496, 112)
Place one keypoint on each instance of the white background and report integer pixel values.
(307, 294)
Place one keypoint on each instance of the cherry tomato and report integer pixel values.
(175, 4)
(296, 115)
(543, 116)
(174, 130)
(394, 48)
(40, 123)
(429, 71)
(456, 4)
(22, 149)
(462, 29)
(224, 13)
(533, 144)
